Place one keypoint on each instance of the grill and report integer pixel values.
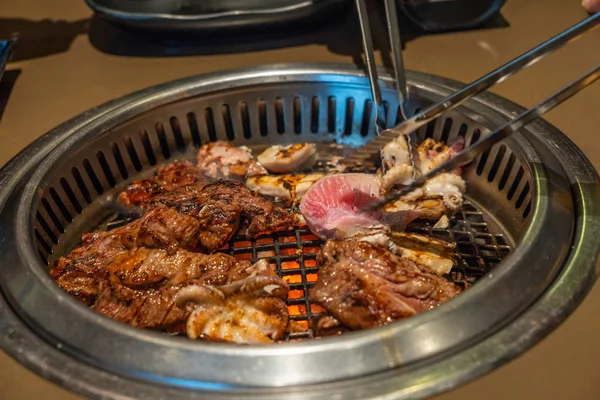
(292, 254)
(521, 200)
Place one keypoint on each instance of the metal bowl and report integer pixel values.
(535, 194)
(211, 15)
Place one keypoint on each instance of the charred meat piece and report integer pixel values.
(163, 228)
(181, 175)
(219, 203)
(264, 216)
(251, 310)
(142, 267)
(221, 160)
(364, 285)
(150, 308)
(138, 286)
(217, 208)
(174, 180)
(296, 157)
(326, 325)
(441, 196)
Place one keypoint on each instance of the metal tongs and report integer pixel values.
(391, 15)
(409, 126)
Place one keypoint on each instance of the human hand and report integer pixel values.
(591, 6)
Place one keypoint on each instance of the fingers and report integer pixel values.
(591, 6)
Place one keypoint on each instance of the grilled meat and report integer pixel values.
(182, 176)
(174, 181)
(138, 286)
(149, 308)
(141, 267)
(296, 157)
(217, 208)
(251, 310)
(164, 228)
(221, 160)
(165, 308)
(364, 285)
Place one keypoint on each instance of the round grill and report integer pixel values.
(521, 202)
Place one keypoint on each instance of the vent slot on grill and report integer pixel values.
(262, 118)
(366, 120)
(331, 114)
(150, 156)
(193, 123)
(61, 206)
(314, 115)
(297, 115)
(210, 124)
(106, 169)
(177, 134)
(279, 116)
(71, 195)
(349, 116)
(245, 117)
(133, 154)
(162, 140)
(92, 176)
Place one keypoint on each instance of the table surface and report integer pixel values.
(67, 62)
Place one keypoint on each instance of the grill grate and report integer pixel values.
(292, 254)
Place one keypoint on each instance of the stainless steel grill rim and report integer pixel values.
(374, 356)
(356, 336)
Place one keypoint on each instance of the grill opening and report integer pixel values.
(297, 105)
(481, 241)
(331, 114)
(366, 120)
(150, 156)
(210, 124)
(314, 115)
(162, 140)
(349, 116)
(193, 123)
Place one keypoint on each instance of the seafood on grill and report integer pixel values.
(331, 207)
(287, 187)
(364, 285)
(290, 158)
(396, 158)
(221, 160)
(435, 254)
(430, 154)
(251, 310)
